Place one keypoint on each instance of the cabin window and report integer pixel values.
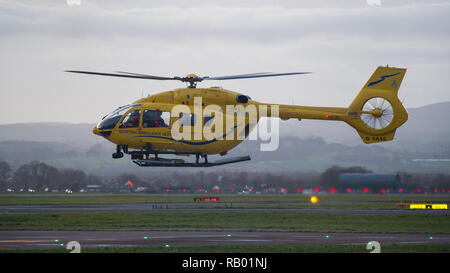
(131, 120)
(155, 118)
(187, 119)
(242, 98)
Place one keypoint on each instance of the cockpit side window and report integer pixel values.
(131, 120)
(155, 118)
(110, 121)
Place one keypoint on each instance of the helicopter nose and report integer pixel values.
(96, 131)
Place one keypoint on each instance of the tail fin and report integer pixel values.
(377, 112)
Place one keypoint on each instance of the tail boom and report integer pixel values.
(375, 113)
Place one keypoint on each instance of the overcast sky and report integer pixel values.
(342, 42)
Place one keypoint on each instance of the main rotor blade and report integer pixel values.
(127, 75)
(254, 75)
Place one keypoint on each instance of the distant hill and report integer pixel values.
(71, 134)
(431, 121)
(427, 123)
(304, 145)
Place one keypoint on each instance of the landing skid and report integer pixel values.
(165, 162)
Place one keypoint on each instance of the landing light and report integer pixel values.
(313, 199)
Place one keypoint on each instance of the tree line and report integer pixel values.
(41, 177)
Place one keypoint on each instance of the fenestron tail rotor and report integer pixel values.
(377, 113)
(191, 78)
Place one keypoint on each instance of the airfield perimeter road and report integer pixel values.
(180, 207)
(46, 239)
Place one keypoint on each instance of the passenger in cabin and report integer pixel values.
(152, 119)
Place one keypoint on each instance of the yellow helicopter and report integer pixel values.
(193, 121)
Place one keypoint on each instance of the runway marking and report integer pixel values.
(376, 237)
(416, 242)
(24, 241)
(309, 236)
(351, 244)
(241, 240)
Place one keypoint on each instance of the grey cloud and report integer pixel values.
(262, 24)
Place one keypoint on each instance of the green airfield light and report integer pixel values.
(56, 240)
(431, 237)
(61, 244)
(167, 245)
(327, 236)
(228, 235)
(145, 237)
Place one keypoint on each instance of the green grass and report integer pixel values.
(425, 248)
(229, 221)
(86, 198)
(375, 206)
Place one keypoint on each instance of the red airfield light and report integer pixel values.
(400, 190)
(299, 190)
(349, 190)
(332, 191)
(232, 190)
(435, 190)
(316, 190)
(130, 183)
(283, 190)
(167, 190)
(418, 190)
(366, 190)
(383, 191)
(217, 190)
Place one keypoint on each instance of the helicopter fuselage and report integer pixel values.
(144, 131)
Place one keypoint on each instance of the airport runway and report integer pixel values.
(191, 207)
(47, 239)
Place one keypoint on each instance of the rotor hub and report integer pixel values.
(377, 112)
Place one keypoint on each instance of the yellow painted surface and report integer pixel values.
(384, 83)
(428, 206)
